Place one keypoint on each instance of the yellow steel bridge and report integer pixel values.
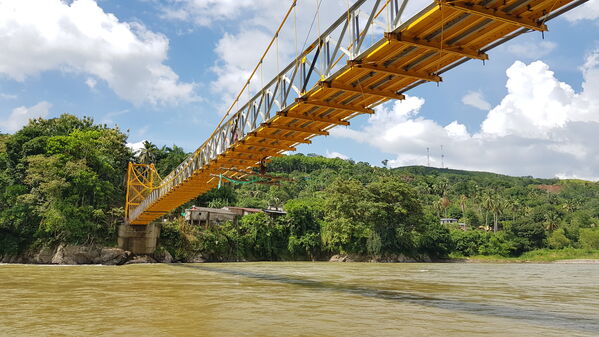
(366, 57)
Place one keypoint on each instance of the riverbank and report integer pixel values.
(80, 255)
(74, 255)
(566, 255)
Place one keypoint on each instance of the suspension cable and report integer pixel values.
(245, 86)
(260, 62)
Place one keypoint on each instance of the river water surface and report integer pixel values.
(300, 299)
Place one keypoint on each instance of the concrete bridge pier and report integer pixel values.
(139, 239)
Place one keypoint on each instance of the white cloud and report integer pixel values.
(536, 103)
(80, 37)
(251, 24)
(136, 147)
(336, 155)
(531, 50)
(20, 116)
(205, 12)
(91, 83)
(587, 11)
(542, 127)
(477, 100)
(7, 96)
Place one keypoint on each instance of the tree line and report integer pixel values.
(62, 180)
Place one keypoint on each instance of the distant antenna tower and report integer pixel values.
(442, 158)
(428, 156)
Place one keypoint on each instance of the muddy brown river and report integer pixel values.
(300, 299)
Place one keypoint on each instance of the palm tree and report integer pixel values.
(444, 202)
(148, 153)
(463, 200)
(441, 186)
(570, 206)
(487, 204)
(498, 206)
(515, 206)
(551, 221)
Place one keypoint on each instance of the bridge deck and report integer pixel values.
(414, 53)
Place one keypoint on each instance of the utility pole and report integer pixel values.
(442, 158)
(428, 156)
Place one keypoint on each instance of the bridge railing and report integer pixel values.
(358, 29)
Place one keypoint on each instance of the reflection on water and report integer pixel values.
(301, 299)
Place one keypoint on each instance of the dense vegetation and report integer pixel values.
(62, 181)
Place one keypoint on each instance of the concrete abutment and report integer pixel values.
(139, 239)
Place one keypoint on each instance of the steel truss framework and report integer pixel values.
(366, 57)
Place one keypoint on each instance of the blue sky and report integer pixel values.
(165, 70)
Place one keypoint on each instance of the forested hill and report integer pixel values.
(435, 171)
(62, 181)
(481, 178)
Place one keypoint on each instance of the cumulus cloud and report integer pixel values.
(476, 99)
(587, 11)
(542, 127)
(80, 37)
(336, 155)
(21, 116)
(250, 26)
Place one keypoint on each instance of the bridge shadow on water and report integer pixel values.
(526, 315)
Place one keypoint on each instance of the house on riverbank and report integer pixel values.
(206, 216)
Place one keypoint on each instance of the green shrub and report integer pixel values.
(589, 238)
(435, 240)
(469, 243)
(498, 244)
(558, 239)
(179, 239)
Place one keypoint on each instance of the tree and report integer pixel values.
(303, 219)
(263, 238)
(551, 221)
(463, 199)
(487, 204)
(66, 181)
(469, 242)
(526, 235)
(444, 204)
(558, 239)
(345, 229)
(435, 239)
(148, 154)
(498, 206)
(589, 238)
(167, 158)
(380, 217)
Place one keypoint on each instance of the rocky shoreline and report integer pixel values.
(75, 255)
(81, 255)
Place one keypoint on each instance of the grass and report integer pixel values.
(540, 255)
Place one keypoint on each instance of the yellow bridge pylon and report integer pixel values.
(141, 179)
